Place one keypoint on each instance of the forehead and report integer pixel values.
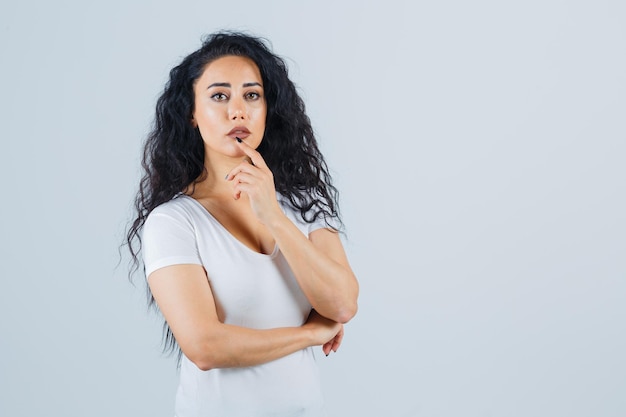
(231, 69)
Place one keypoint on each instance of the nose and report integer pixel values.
(237, 110)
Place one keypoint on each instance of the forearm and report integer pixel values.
(320, 267)
(329, 285)
(228, 346)
(185, 299)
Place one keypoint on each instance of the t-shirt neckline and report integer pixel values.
(229, 234)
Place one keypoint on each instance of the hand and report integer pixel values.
(334, 343)
(256, 180)
(327, 333)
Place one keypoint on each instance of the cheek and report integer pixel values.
(208, 131)
(206, 119)
(261, 115)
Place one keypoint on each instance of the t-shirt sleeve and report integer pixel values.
(168, 239)
(304, 226)
(320, 223)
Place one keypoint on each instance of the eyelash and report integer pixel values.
(216, 96)
(252, 95)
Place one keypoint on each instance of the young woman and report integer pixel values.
(237, 223)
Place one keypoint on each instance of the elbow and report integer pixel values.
(204, 365)
(346, 313)
(205, 356)
(348, 308)
(203, 361)
(345, 309)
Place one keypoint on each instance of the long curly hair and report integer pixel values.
(173, 155)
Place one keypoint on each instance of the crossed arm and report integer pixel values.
(185, 298)
(319, 263)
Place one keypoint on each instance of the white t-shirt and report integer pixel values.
(252, 290)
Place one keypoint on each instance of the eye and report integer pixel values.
(219, 97)
(253, 95)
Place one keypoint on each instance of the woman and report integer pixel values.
(238, 222)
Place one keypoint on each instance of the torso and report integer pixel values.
(238, 218)
(252, 290)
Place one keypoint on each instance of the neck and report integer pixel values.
(214, 184)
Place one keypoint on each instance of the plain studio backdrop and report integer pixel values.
(480, 151)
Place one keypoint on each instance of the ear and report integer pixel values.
(193, 122)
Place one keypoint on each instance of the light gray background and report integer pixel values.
(480, 150)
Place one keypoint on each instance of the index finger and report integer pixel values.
(255, 156)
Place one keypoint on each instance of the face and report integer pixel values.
(229, 103)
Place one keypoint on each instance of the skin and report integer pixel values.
(239, 192)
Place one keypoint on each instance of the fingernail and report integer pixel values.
(327, 354)
(238, 140)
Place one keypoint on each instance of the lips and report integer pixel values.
(240, 132)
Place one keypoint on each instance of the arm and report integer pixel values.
(185, 299)
(320, 266)
(318, 262)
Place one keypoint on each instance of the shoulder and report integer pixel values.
(295, 215)
(169, 235)
(179, 213)
(181, 208)
(179, 205)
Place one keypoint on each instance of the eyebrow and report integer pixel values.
(229, 86)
